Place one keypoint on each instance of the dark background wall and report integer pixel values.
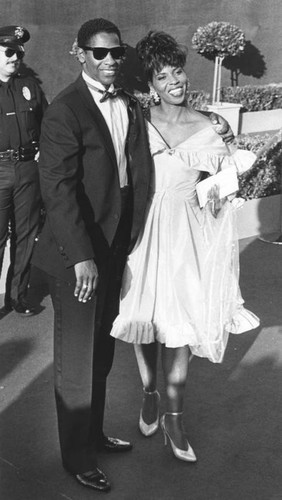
(54, 23)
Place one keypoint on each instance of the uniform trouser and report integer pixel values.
(19, 206)
(83, 356)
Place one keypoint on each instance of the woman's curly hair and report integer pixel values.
(158, 49)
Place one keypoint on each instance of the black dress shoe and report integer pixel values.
(95, 479)
(114, 445)
(22, 308)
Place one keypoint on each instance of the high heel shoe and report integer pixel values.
(149, 429)
(187, 455)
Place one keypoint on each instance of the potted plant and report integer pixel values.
(218, 40)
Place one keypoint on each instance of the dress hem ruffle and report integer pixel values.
(243, 321)
(146, 332)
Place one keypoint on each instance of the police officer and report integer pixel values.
(22, 104)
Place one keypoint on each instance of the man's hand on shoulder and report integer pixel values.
(86, 273)
(222, 127)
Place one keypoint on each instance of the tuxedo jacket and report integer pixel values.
(80, 183)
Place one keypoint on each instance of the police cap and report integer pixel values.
(13, 36)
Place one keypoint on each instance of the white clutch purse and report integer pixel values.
(226, 180)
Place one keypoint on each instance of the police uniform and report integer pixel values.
(22, 104)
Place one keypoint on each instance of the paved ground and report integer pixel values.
(233, 410)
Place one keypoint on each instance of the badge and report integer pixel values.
(26, 93)
(19, 32)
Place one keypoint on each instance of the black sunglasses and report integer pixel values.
(100, 53)
(10, 52)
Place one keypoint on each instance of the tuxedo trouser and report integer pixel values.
(19, 207)
(83, 355)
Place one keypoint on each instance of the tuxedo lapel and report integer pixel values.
(140, 165)
(96, 116)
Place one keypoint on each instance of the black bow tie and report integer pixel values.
(109, 95)
(105, 93)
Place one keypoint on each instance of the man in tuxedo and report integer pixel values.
(95, 170)
(94, 178)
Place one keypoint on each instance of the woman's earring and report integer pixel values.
(154, 96)
(187, 87)
(187, 93)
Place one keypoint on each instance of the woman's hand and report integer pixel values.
(222, 127)
(86, 280)
(214, 202)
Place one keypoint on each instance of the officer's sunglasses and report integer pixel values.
(100, 53)
(10, 52)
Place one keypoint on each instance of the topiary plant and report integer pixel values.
(218, 40)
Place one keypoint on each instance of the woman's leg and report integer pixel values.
(175, 369)
(147, 356)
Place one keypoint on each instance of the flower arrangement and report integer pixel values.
(218, 40)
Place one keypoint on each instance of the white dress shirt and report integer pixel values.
(114, 110)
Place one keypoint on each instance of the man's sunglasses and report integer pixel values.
(10, 52)
(100, 53)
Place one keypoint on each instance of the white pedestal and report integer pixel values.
(260, 217)
(260, 121)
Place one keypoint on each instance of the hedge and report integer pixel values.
(264, 178)
(254, 97)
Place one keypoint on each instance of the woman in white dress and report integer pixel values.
(180, 285)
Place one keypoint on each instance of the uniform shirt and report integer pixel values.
(114, 110)
(22, 104)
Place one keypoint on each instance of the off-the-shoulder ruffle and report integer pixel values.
(211, 162)
(204, 150)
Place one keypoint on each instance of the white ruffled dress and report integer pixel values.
(181, 281)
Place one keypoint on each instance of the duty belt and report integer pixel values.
(19, 154)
